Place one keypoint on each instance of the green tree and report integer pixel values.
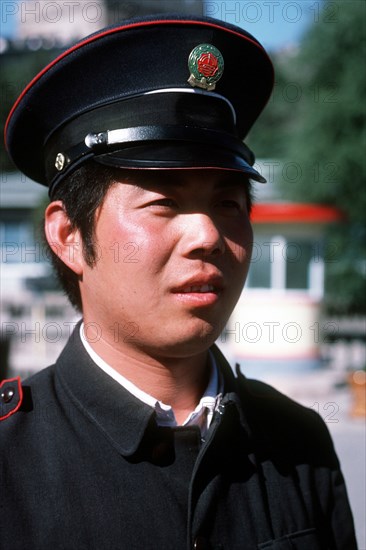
(316, 120)
(329, 142)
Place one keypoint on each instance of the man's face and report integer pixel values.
(173, 250)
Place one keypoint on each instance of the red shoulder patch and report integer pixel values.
(11, 397)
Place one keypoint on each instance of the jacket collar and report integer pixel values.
(122, 417)
(236, 393)
(118, 414)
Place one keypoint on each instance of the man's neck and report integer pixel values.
(175, 381)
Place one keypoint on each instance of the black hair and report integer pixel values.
(81, 193)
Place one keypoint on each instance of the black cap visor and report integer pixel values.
(168, 155)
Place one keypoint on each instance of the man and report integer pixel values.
(141, 436)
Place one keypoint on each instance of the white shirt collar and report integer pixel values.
(201, 416)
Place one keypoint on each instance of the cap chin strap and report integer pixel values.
(110, 138)
(108, 141)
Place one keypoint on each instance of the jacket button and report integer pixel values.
(7, 395)
(201, 544)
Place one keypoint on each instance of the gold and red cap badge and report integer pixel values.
(206, 65)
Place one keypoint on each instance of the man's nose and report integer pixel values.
(201, 236)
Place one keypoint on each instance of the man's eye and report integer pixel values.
(166, 202)
(230, 208)
(230, 204)
(169, 203)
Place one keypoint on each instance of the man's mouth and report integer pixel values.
(199, 288)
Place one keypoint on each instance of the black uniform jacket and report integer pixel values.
(85, 467)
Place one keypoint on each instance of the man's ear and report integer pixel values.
(64, 240)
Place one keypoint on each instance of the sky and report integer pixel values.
(277, 24)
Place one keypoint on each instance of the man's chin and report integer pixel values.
(194, 342)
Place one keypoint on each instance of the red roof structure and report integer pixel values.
(286, 212)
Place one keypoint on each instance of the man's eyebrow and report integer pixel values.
(230, 181)
(180, 180)
(223, 179)
(154, 180)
